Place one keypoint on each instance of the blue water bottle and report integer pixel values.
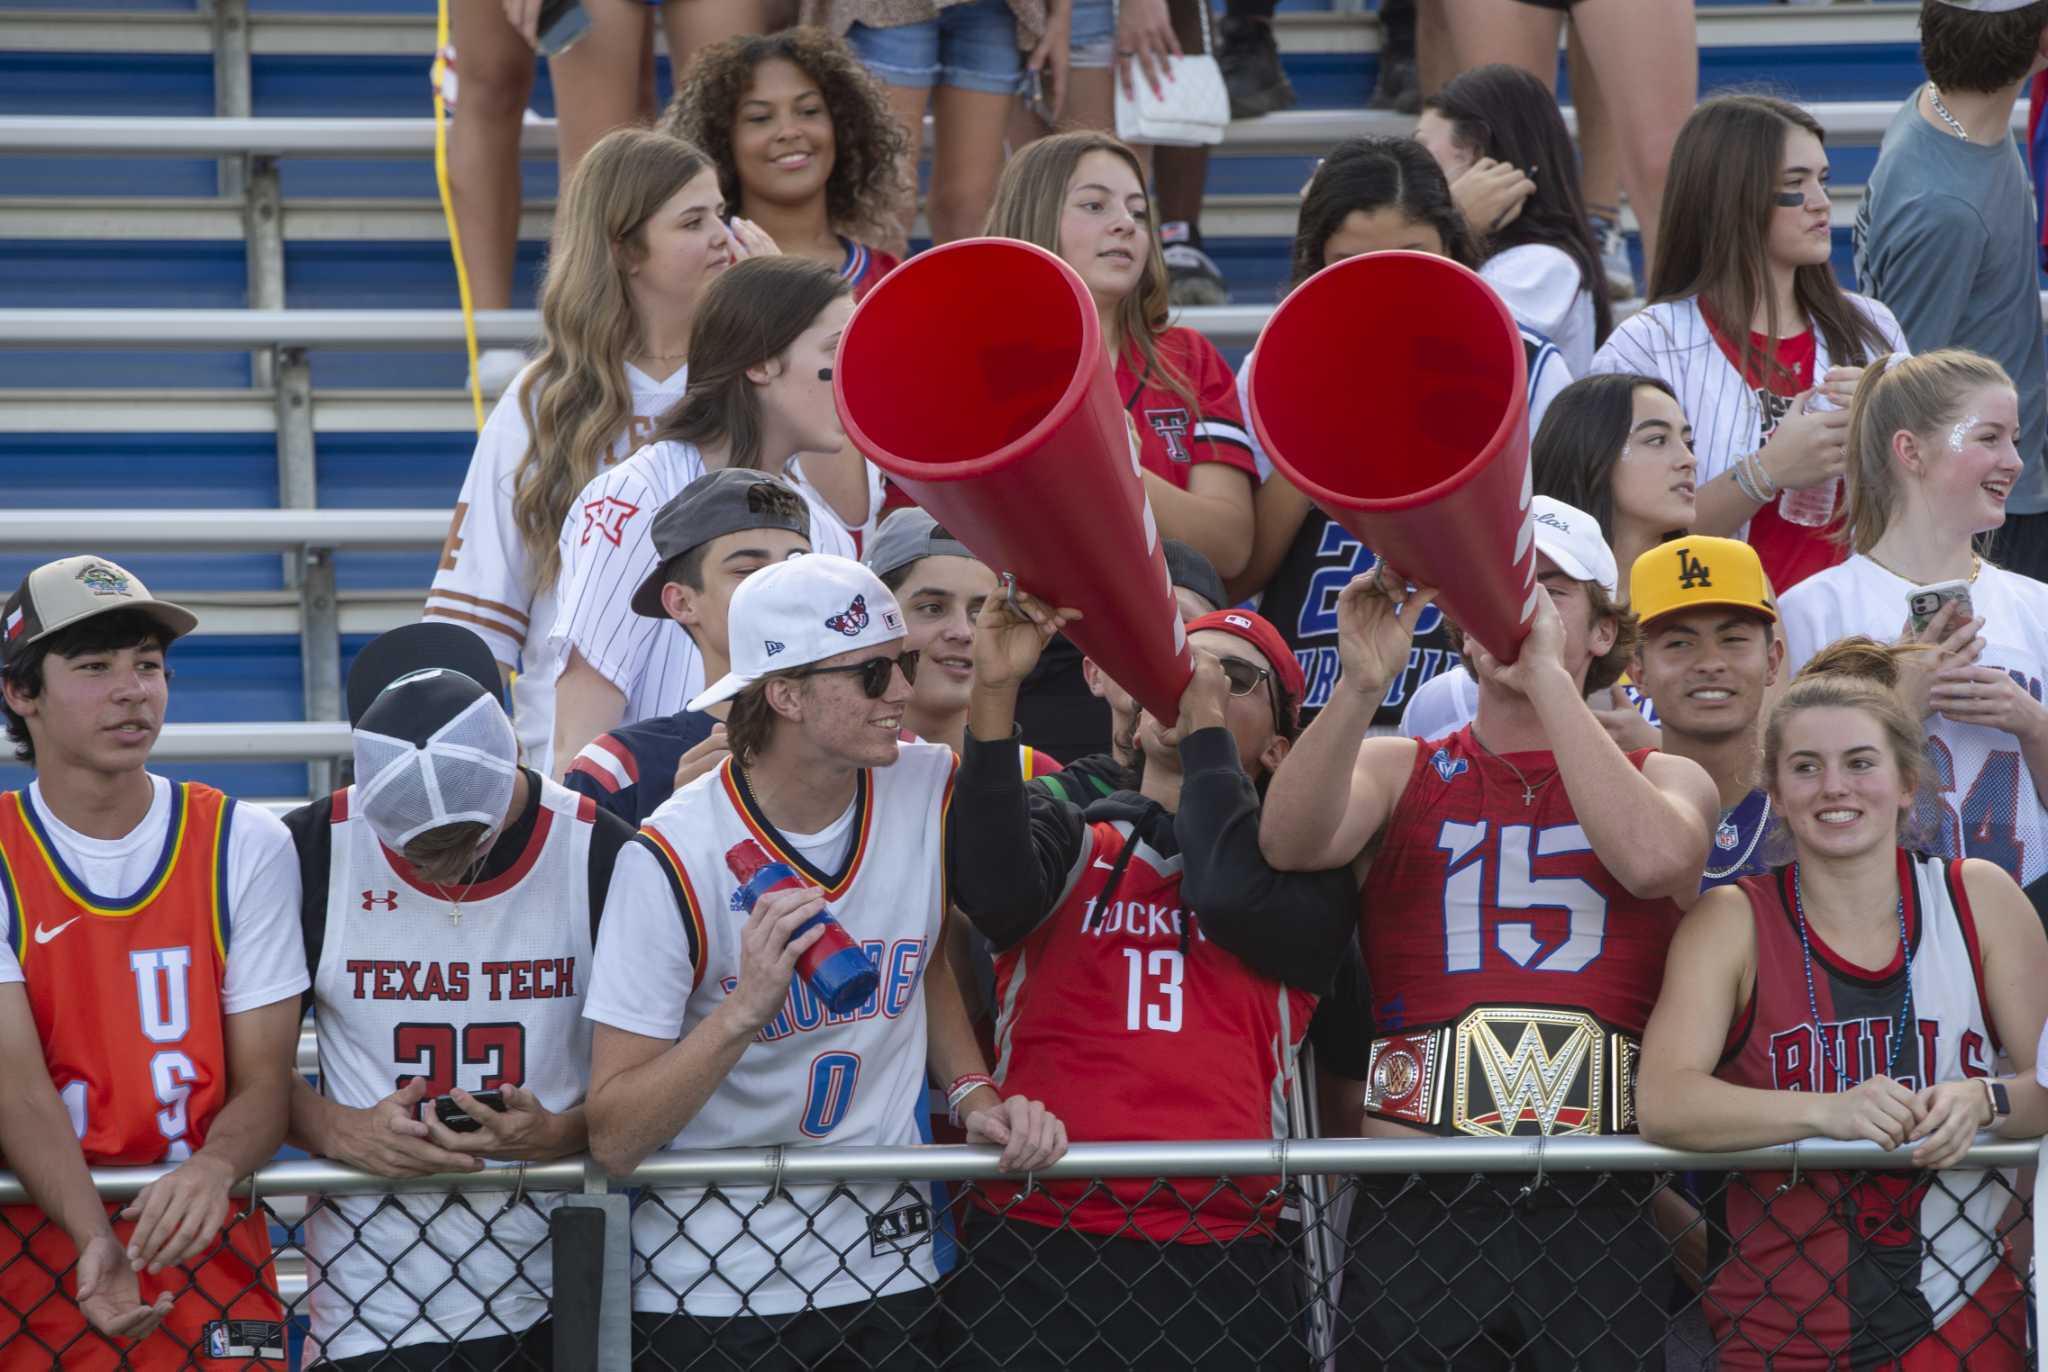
(839, 972)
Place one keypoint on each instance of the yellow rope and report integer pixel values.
(476, 391)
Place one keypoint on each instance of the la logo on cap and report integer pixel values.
(1693, 574)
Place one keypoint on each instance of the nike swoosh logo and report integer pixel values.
(1105, 866)
(45, 935)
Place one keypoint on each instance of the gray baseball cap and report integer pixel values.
(71, 590)
(721, 502)
(908, 535)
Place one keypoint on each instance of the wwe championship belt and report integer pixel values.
(1508, 1071)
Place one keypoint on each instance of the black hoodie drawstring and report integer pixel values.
(1116, 876)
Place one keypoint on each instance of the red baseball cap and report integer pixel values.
(1258, 631)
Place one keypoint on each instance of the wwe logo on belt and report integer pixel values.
(1551, 1079)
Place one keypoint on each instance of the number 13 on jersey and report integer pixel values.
(1489, 867)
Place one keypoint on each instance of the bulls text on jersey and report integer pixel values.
(1864, 1046)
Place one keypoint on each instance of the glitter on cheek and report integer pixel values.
(1956, 435)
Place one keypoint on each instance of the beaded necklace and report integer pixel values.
(1827, 1048)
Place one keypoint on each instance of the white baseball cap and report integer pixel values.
(801, 611)
(1571, 538)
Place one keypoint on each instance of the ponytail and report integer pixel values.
(1917, 395)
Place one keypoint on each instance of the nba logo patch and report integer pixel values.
(1446, 766)
(216, 1341)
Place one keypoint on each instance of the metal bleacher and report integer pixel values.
(231, 352)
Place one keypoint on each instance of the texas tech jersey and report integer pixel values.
(480, 994)
(1476, 898)
(1130, 1024)
(810, 1077)
(1913, 1245)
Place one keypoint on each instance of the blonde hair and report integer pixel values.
(1854, 673)
(1029, 201)
(1918, 395)
(575, 396)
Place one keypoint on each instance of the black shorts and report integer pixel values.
(1452, 1272)
(890, 1332)
(532, 1351)
(1028, 1298)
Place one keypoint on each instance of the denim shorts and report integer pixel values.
(1093, 40)
(971, 47)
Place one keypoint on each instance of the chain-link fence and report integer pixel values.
(1347, 1254)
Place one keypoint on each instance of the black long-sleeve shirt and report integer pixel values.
(1012, 852)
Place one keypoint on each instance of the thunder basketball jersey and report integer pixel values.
(810, 1077)
(126, 992)
(478, 987)
(1914, 1245)
(1476, 897)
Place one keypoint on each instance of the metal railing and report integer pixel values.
(1361, 1249)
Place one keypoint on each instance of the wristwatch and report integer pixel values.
(2001, 1101)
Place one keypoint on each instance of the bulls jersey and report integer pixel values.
(1982, 800)
(669, 955)
(478, 993)
(1475, 898)
(131, 994)
(1913, 1245)
(486, 580)
(1130, 1024)
(608, 550)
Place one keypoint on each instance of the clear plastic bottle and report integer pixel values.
(1813, 507)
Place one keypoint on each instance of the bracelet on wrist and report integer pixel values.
(1739, 474)
(1761, 474)
(961, 1089)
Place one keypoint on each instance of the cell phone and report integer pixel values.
(561, 23)
(452, 1116)
(1034, 96)
(1923, 603)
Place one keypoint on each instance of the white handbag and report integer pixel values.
(1191, 112)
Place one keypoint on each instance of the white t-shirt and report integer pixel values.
(267, 960)
(1544, 290)
(485, 581)
(10, 967)
(608, 550)
(668, 954)
(1989, 806)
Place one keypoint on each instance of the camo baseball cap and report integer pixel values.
(72, 590)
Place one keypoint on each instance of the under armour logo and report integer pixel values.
(607, 517)
(1692, 573)
(389, 900)
(1446, 766)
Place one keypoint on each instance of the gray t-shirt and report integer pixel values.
(1948, 237)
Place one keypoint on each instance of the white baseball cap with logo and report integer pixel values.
(801, 611)
(1571, 538)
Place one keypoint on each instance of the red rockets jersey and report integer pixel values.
(128, 1003)
(1915, 1245)
(1474, 898)
(1131, 1026)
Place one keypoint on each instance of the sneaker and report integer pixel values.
(1192, 278)
(1251, 69)
(1621, 273)
(1399, 88)
(497, 368)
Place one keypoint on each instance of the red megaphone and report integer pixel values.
(974, 374)
(1393, 390)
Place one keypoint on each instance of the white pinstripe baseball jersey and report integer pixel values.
(485, 580)
(1671, 340)
(607, 551)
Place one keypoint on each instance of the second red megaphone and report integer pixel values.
(974, 374)
(1392, 389)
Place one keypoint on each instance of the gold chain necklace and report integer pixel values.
(1529, 792)
(1976, 566)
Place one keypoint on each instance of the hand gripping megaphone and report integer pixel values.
(1392, 389)
(975, 375)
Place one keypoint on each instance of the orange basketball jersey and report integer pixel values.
(126, 987)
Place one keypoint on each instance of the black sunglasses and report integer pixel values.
(1245, 677)
(875, 672)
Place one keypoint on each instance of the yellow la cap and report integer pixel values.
(1698, 571)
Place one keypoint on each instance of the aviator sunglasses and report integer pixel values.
(875, 672)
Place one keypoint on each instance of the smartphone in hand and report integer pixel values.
(1923, 603)
(453, 1117)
